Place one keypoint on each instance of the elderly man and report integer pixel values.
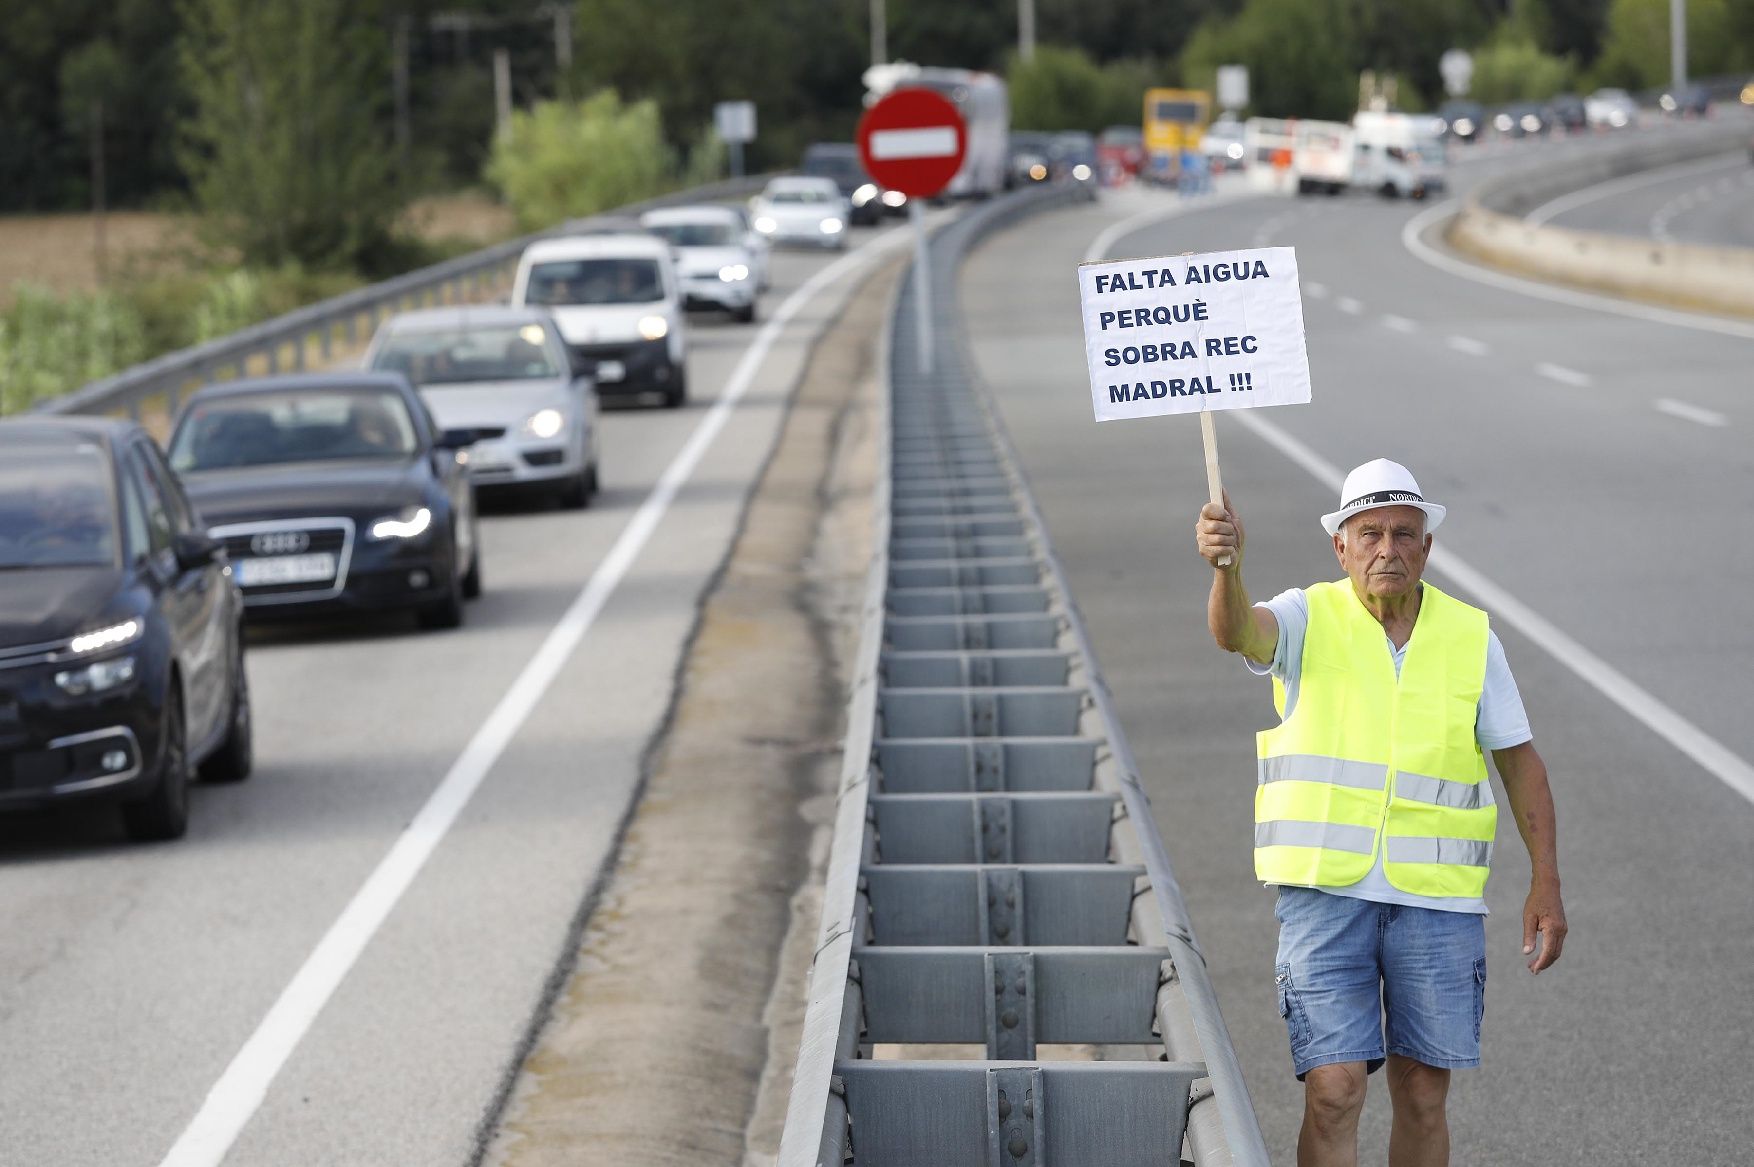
(1374, 817)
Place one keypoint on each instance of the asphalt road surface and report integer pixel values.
(1707, 201)
(1598, 467)
(136, 975)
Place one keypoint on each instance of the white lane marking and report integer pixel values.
(243, 1086)
(1348, 305)
(1315, 291)
(1399, 323)
(1693, 413)
(1411, 239)
(1638, 703)
(1467, 344)
(1591, 194)
(922, 142)
(1565, 376)
(1104, 243)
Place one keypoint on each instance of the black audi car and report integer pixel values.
(121, 647)
(333, 492)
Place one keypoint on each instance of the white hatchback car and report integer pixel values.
(804, 210)
(619, 306)
(717, 265)
(505, 374)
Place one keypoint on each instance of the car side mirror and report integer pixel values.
(457, 439)
(195, 549)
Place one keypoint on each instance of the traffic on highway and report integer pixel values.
(339, 695)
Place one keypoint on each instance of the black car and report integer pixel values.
(1688, 101)
(1463, 120)
(1569, 114)
(121, 646)
(840, 161)
(333, 492)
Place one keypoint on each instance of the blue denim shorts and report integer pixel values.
(1357, 979)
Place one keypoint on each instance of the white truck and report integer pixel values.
(1321, 156)
(1399, 155)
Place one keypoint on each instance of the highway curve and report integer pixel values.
(1598, 467)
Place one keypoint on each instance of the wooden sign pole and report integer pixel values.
(1214, 482)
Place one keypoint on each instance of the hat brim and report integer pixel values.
(1433, 514)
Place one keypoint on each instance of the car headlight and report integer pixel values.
(830, 225)
(110, 637)
(96, 677)
(1464, 126)
(1234, 150)
(1667, 101)
(1038, 172)
(734, 272)
(1531, 123)
(864, 194)
(1617, 118)
(1081, 172)
(544, 423)
(766, 225)
(654, 327)
(894, 198)
(410, 523)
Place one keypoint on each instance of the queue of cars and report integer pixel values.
(130, 569)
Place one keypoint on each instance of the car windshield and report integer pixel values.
(478, 352)
(57, 508)
(797, 195)
(612, 280)
(834, 165)
(696, 234)
(304, 425)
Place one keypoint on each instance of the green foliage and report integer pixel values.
(52, 345)
(1512, 68)
(706, 160)
(1298, 53)
(286, 149)
(1063, 89)
(562, 160)
(1635, 48)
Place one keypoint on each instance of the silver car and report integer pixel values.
(505, 374)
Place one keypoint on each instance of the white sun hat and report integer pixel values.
(1381, 483)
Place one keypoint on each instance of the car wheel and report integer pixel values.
(164, 812)
(745, 314)
(472, 578)
(676, 396)
(446, 612)
(575, 493)
(235, 757)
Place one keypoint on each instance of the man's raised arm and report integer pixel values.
(1236, 625)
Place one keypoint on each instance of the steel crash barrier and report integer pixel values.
(1006, 975)
(316, 335)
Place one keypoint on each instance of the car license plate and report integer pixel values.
(610, 370)
(285, 569)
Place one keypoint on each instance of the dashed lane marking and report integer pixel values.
(1592, 194)
(1399, 324)
(1316, 291)
(1348, 305)
(1467, 344)
(1565, 376)
(1698, 415)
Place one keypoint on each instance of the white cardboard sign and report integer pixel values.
(1194, 333)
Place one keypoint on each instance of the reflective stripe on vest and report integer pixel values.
(1368, 759)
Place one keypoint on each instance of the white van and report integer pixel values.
(618, 303)
(1399, 154)
(1321, 156)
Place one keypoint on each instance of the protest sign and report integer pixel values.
(1194, 334)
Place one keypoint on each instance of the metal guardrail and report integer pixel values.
(995, 881)
(313, 333)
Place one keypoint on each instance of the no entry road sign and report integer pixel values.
(912, 141)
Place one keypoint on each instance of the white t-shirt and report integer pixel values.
(1500, 723)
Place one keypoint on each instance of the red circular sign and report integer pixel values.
(912, 141)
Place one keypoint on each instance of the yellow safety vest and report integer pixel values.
(1368, 760)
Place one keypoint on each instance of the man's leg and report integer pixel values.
(1333, 1098)
(1420, 1135)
